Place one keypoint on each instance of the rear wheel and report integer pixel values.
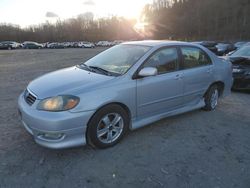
(107, 127)
(211, 98)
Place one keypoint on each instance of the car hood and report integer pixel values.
(66, 81)
(238, 60)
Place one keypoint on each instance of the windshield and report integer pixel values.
(244, 51)
(240, 43)
(222, 45)
(118, 59)
(7, 42)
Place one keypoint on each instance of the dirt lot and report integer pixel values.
(196, 149)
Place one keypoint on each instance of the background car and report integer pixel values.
(9, 45)
(105, 43)
(32, 45)
(56, 45)
(241, 67)
(224, 48)
(74, 45)
(86, 45)
(66, 44)
(240, 44)
(211, 45)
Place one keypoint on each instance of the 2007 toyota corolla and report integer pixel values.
(125, 87)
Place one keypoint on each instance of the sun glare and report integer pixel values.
(31, 12)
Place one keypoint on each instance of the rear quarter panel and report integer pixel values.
(223, 73)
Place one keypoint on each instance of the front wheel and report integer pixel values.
(211, 98)
(107, 127)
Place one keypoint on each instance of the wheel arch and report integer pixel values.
(122, 105)
(221, 86)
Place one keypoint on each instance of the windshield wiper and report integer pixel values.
(85, 66)
(97, 69)
(101, 70)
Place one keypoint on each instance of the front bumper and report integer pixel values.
(241, 82)
(54, 129)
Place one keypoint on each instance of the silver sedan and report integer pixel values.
(123, 88)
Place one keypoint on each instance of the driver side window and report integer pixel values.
(164, 60)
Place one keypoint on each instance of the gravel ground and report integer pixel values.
(195, 149)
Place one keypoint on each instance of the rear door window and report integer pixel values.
(194, 57)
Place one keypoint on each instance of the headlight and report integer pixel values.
(58, 103)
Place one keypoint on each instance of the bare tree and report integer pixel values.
(84, 27)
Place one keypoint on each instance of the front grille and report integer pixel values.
(239, 74)
(29, 98)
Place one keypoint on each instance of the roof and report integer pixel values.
(153, 43)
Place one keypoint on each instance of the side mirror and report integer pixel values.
(148, 71)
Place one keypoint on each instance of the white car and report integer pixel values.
(104, 43)
(86, 45)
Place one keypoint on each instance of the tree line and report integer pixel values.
(163, 19)
(198, 19)
(81, 28)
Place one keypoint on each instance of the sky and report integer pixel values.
(32, 12)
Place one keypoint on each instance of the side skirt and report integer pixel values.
(138, 123)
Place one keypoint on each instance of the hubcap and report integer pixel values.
(214, 98)
(110, 128)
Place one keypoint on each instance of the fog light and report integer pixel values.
(51, 136)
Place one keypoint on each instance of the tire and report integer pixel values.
(9, 48)
(211, 98)
(102, 131)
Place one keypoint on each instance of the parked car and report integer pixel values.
(104, 43)
(240, 44)
(225, 48)
(67, 44)
(9, 45)
(241, 67)
(32, 45)
(71, 44)
(211, 45)
(86, 45)
(125, 87)
(56, 45)
(45, 44)
(75, 45)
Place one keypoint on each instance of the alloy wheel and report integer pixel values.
(110, 128)
(214, 98)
